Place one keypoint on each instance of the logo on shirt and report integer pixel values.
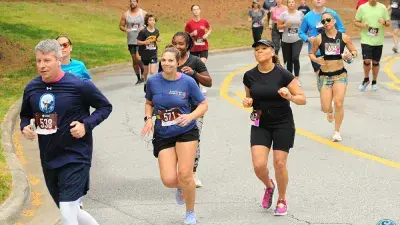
(47, 103)
(182, 94)
(386, 222)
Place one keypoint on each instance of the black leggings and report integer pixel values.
(291, 54)
(257, 33)
(276, 38)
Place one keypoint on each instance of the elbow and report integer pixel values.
(208, 83)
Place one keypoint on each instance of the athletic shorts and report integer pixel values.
(372, 52)
(133, 49)
(150, 61)
(280, 138)
(395, 24)
(160, 144)
(328, 81)
(202, 54)
(67, 183)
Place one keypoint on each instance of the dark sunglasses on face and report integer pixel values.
(65, 45)
(327, 20)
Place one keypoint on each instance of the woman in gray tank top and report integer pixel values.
(257, 17)
(290, 21)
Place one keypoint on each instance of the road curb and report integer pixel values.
(20, 193)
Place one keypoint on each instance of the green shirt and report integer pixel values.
(374, 34)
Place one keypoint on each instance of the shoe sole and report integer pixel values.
(280, 214)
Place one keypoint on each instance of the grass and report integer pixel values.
(96, 39)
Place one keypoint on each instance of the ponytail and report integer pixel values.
(275, 60)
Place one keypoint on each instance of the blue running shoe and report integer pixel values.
(178, 197)
(190, 218)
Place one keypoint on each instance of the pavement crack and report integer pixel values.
(119, 210)
(319, 223)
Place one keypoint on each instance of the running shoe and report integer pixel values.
(363, 86)
(178, 197)
(197, 180)
(281, 208)
(330, 117)
(374, 87)
(394, 49)
(190, 218)
(336, 136)
(268, 195)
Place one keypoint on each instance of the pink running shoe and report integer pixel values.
(281, 208)
(269, 193)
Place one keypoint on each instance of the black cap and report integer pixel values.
(264, 42)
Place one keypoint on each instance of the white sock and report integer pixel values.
(69, 212)
(85, 218)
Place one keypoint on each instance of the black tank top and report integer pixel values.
(332, 48)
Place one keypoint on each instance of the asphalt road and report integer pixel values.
(354, 182)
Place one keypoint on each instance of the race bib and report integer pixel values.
(293, 31)
(46, 123)
(280, 31)
(256, 24)
(395, 5)
(255, 118)
(199, 41)
(135, 27)
(151, 46)
(168, 116)
(332, 48)
(373, 31)
(319, 25)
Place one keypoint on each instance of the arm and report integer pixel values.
(358, 20)
(303, 31)
(204, 78)
(148, 109)
(86, 73)
(281, 25)
(349, 44)
(314, 48)
(122, 23)
(208, 27)
(200, 110)
(297, 95)
(26, 113)
(94, 98)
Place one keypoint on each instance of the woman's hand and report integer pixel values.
(187, 70)
(247, 102)
(148, 128)
(285, 93)
(184, 119)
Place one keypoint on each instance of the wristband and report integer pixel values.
(194, 73)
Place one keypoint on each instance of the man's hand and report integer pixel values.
(28, 132)
(78, 130)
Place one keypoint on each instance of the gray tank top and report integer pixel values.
(133, 24)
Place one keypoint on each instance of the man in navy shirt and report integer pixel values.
(55, 107)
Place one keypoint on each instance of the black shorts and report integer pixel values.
(315, 65)
(160, 144)
(150, 61)
(281, 138)
(202, 54)
(133, 49)
(67, 183)
(372, 52)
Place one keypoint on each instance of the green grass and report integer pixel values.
(96, 39)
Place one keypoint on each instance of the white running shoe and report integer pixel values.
(197, 180)
(336, 137)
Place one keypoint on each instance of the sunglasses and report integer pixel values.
(65, 45)
(327, 20)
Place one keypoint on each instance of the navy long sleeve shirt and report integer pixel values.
(69, 99)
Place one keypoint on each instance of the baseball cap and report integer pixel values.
(264, 42)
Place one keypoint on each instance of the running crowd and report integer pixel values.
(56, 105)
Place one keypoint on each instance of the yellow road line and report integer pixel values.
(394, 86)
(386, 58)
(224, 93)
(389, 72)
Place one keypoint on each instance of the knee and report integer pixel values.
(169, 181)
(367, 62)
(185, 176)
(375, 63)
(338, 104)
(279, 165)
(260, 167)
(326, 108)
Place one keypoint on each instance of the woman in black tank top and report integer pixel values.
(332, 80)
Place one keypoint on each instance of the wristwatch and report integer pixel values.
(147, 118)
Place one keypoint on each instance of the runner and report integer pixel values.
(371, 17)
(276, 34)
(269, 90)
(131, 23)
(194, 67)
(55, 107)
(257, 17)
(395, 21)
(290, 22)
(304, 7)
(175, 132)
(333, 75)
(147, 40)
(311, 27)
(267, 5)
(199, 29)
(69, 65)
